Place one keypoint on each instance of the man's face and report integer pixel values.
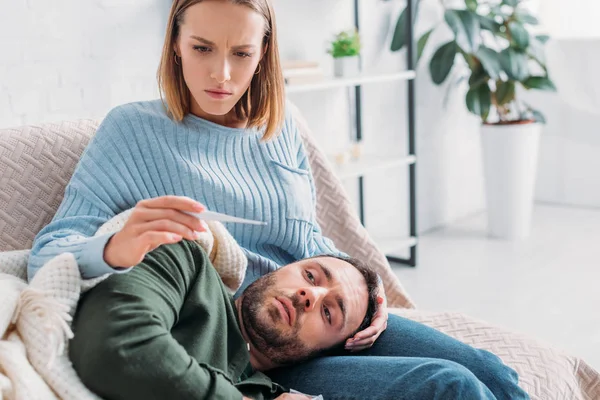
(303, 308)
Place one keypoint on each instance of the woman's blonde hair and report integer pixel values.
(263, 104)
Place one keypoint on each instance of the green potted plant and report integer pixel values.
(502, 58)
(345, 50)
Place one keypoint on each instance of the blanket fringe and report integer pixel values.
(54, 316)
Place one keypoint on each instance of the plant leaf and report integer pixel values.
(525, 17)
(478, 76)
(399, 38)
(538, 116)
(490, 61)
(442, 62)
(471, 4)
(465, 26)
(540, 83)
(497, 10)
(512, 3)
(536, 52)
(514, 63)
(346, 44)
(519, 34)
(542, 38)
(479, 101)
(422, 43)
(488, 23)
(505, 92)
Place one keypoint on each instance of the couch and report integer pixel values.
(37, 161)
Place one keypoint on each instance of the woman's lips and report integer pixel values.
(217, 94)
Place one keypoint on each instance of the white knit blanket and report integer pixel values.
(35, 318)
(225, 254)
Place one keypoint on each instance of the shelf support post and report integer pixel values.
(358, 118)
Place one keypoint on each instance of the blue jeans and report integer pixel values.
(409, 361)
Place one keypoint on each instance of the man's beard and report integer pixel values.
(261, 319)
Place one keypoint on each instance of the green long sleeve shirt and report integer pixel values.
(166, 330)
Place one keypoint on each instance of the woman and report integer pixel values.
(222, 139)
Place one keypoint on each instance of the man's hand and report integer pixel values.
(365, 339)
(293, 396)
(152, 223)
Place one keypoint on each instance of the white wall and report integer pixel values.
(65, 59)
(572, 19)
(71, 58)
(569, 166)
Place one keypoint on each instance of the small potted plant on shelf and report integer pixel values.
(494, 40)
(345, 50)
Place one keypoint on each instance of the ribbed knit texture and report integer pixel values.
(139, 153)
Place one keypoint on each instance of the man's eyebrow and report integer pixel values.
(327, 272)
(208, 42)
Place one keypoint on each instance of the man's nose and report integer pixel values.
(221, 71)
(310, 297)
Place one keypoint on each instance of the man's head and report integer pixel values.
(308, 308)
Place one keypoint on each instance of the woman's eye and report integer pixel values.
(202, 49)
(242, 54)
(310, 277)
(327, 314)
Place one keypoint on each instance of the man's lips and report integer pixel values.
(287, 309)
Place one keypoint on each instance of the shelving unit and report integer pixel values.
(329, 83)
(370, 163)
(392, 244)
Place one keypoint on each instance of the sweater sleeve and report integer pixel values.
(71, 230)
(123, 347)
(91, 198)
(320, 243)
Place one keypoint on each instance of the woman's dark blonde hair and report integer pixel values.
(263, 104)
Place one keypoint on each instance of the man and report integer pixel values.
(169, 329)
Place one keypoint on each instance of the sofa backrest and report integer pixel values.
(36, 163)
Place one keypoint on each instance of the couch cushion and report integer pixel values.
(36, 162)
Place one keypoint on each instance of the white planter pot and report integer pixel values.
(510, 155)
(344, 67)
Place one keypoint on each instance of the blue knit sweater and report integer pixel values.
(138, 153)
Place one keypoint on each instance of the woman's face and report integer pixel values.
(220, 45)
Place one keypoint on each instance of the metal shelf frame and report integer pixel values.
(411, 130)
